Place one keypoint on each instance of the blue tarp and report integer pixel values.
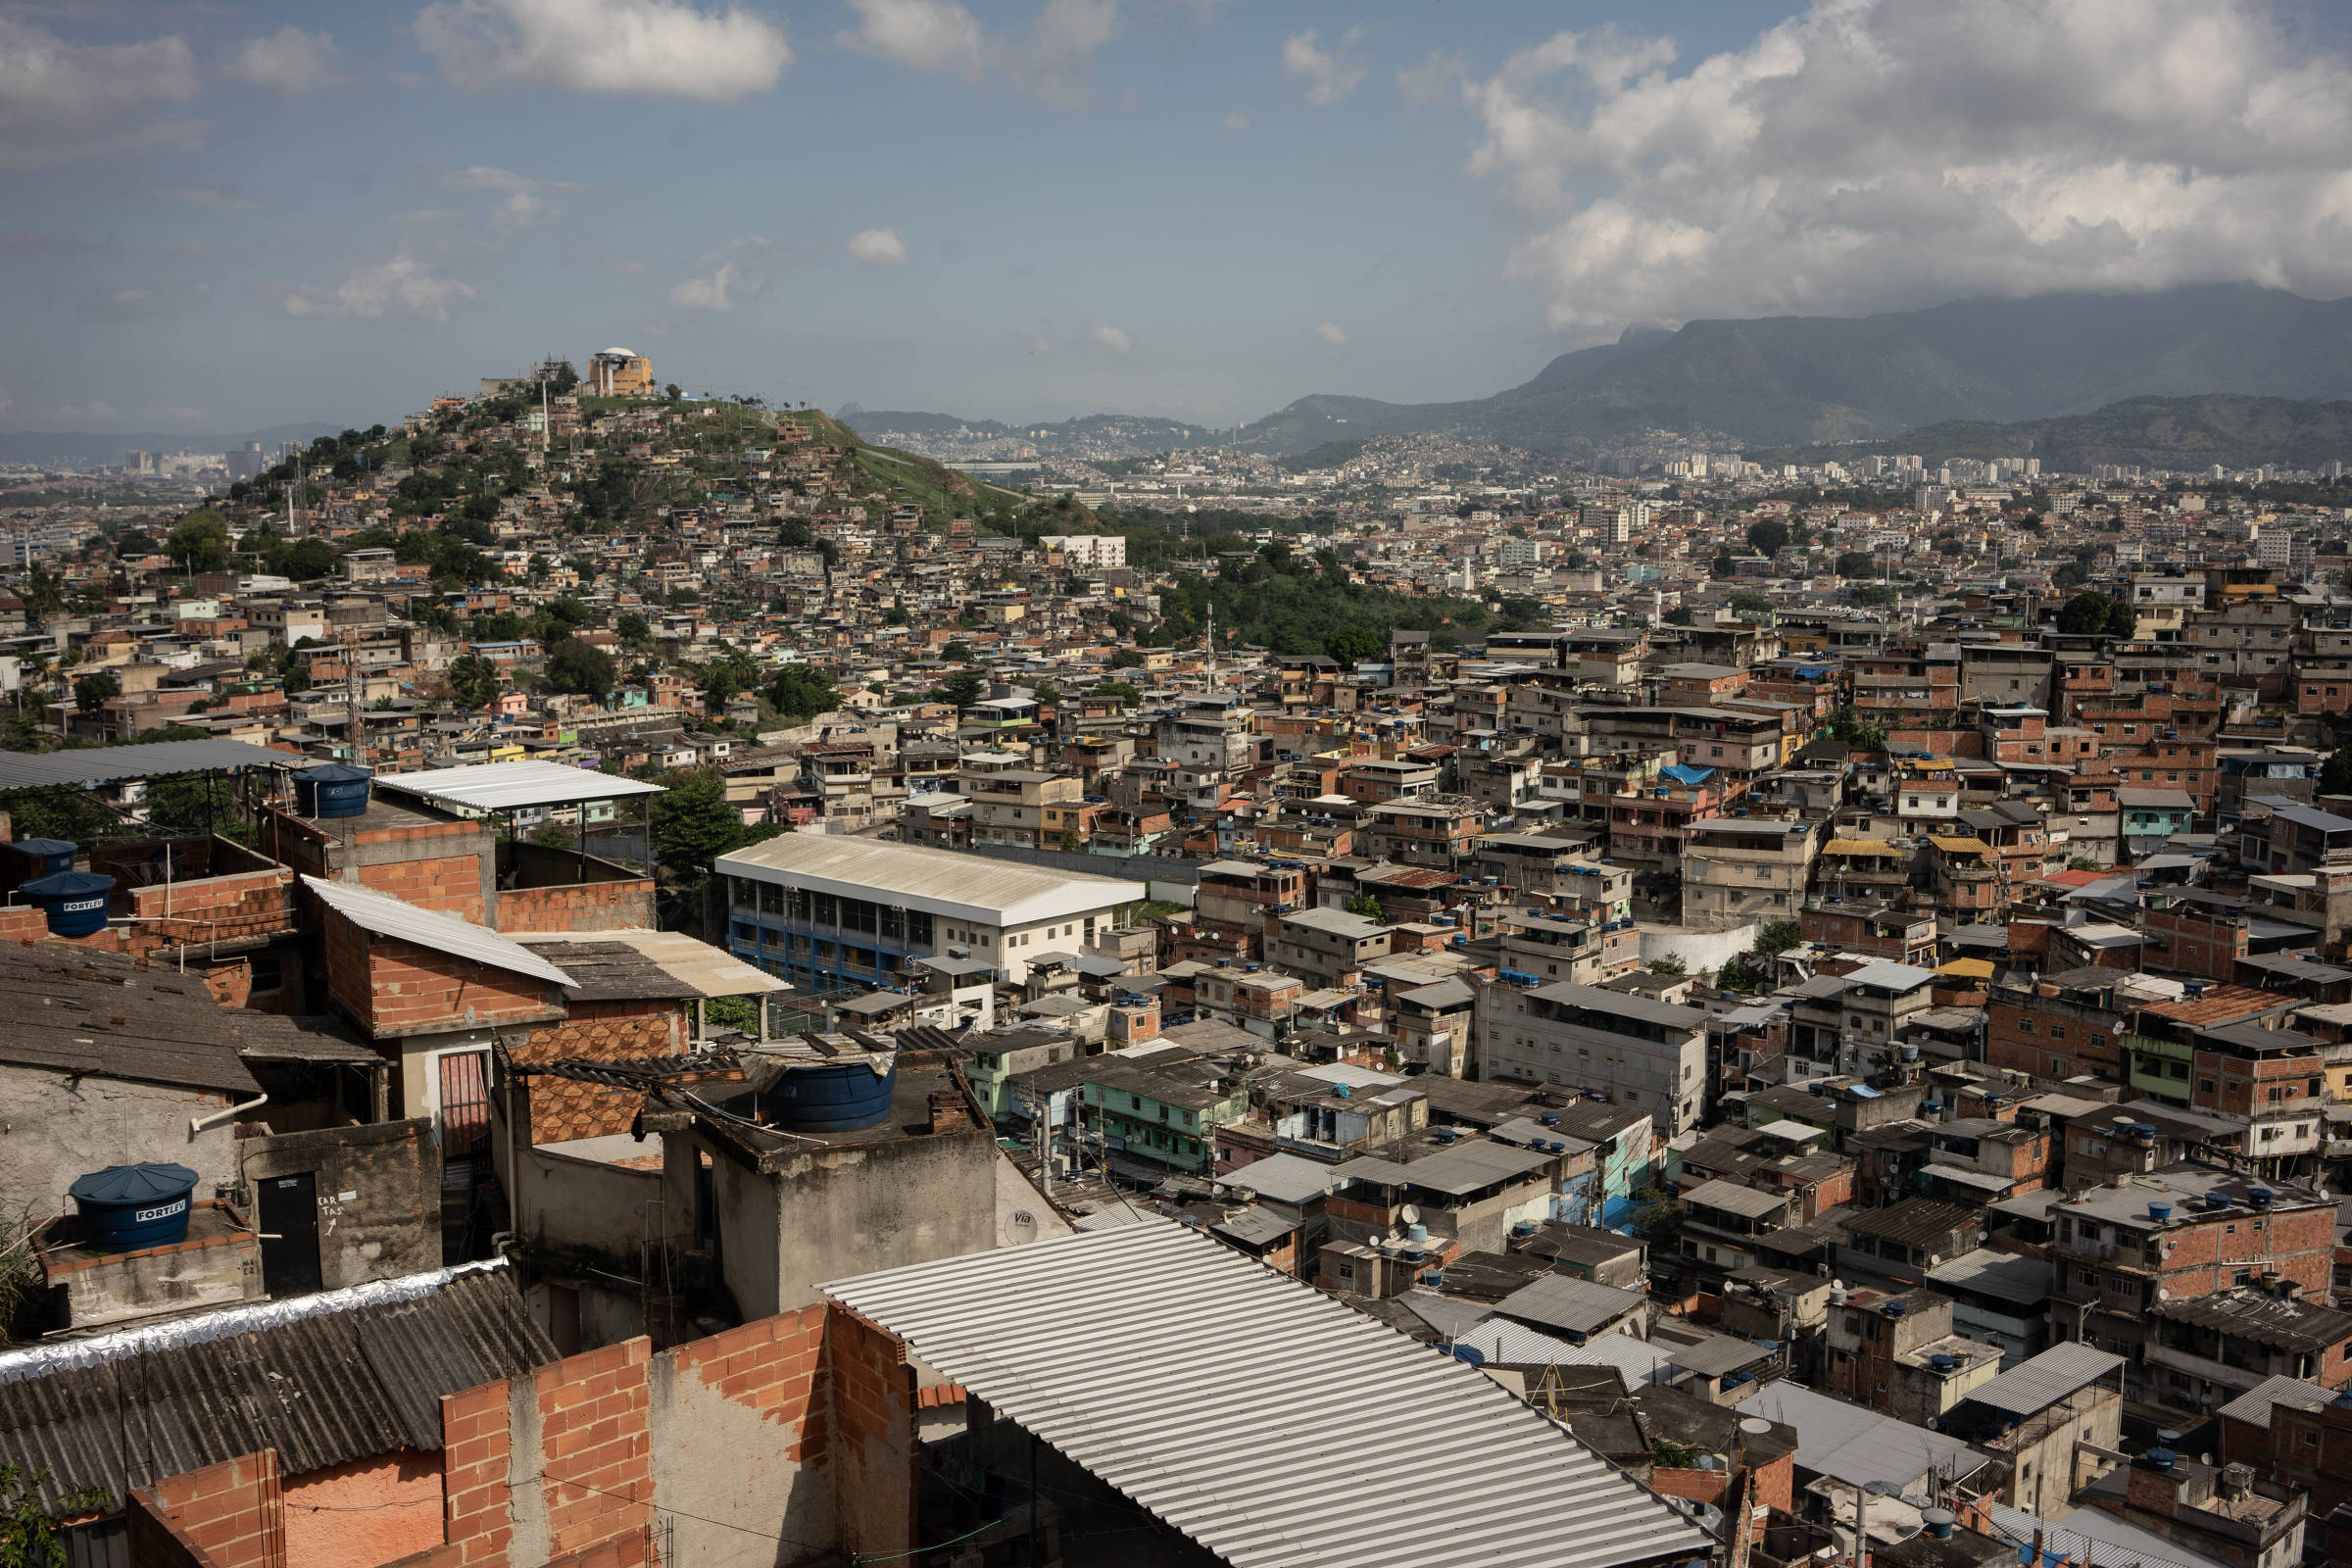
(1682, 774)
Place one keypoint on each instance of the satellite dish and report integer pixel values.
(1410, 1214)
(1023, 1226)
(1755, 1426)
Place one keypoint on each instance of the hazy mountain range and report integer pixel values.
(1785, 381)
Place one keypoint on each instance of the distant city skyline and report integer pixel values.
(221, 220)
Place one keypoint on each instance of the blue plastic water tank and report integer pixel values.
(125, 1207)
(74, 901)
(335, 789)
(43, 856)
(829, 1098)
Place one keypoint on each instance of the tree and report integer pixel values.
(1353, 645)
(581, 667)
(693, 822)
(1679, 615)
(963, 689)
(1669, 965)
(957, 652)
(1735, 975)
(2336, 778)
(673, 392)
(1848, 725)
(474, 682)
(1778, 937)
(1856, 563)
(634, 630)
(91, 691)
(2094, 613)
(193, 803)
(1122, 692)
(1126, 659)
(1768, 536)
(303, 558)
(1365, 905)
(45, 591)
(30, 1535)
(199, 542)
(800, 694)
(1750, 604)
(1723, 567)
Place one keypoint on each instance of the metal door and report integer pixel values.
(289, 1216)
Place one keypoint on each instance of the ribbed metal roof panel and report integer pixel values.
(388, 916)
(362, 1376)
(1268, 1422)
(2044, 1379)
(105, 765)
(510, 786)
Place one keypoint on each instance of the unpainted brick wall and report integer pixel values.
(585, 907)
(412, 987)
(871, 1442)
(231, 1512)
(560, 1109)
(574, 1448)
(453, 883)
(216, 908)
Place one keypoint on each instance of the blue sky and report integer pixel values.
(219, 216)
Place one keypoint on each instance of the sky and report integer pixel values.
(215, 216)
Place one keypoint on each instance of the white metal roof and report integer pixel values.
(2039, 1382)
(1271, 1424)
(938, 881)
(507, 786)
(388, 916)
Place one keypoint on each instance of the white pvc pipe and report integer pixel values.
(200, 1123)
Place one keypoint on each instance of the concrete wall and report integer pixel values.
(756, 1395)
(575, 1203)
(221, 1266)
(1702, 952)
(379, 1195)
(54, 1129)
(835, 1213)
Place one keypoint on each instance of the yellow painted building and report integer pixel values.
(620, 374)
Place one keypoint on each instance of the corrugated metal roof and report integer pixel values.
(323, 1379)
(922, 877)
(2038, 1383)
(22, 771)
(388, 916)
(2254, 1406)
(1857, 1447)
(695, 968)
(1268, 1422)
(1573, 1305)
(510, 786)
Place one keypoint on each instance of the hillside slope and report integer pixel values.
(2182, 433)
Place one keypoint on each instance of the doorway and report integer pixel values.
(289, 1218)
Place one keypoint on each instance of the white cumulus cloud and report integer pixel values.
(927, 36)
(1878, 154)
(289, 61)
(878, 247)
(1111, 338)
(526, 200)
(398, 285)
(60, 99)
(650, 48)
(1325, 75)
(1333, 333)
(1054, 62)
(739, 269)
